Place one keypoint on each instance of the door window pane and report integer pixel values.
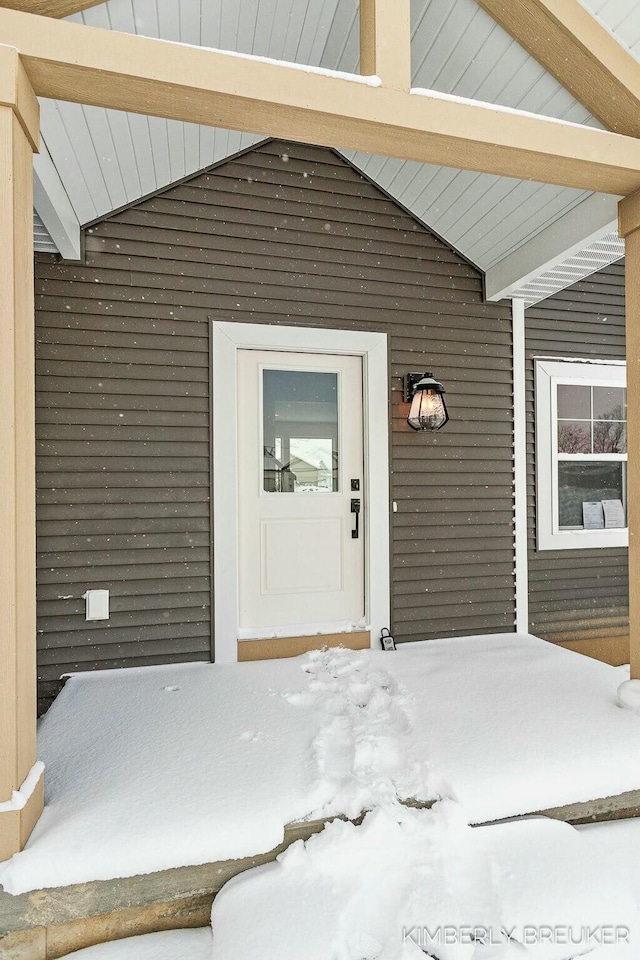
(580, 482)
(300, 431)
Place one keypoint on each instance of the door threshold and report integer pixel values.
(275, 648)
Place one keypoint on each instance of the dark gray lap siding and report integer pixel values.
(123, 401)
(581, 592)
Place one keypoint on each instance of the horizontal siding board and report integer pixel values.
(100, 318)
(123, 401)
(116, 450)
(140, 568)
(54, 403)
(100, 385)
(245, 288)
(113, 542)
(106, 558)
(390, 245)
(411, 489)
(100, 662)
(102, 423)
(149, 354)
(207, 278)
(105, 486)
(573, 590)
(147, 526)
(475, 587)
(142, 590)
(218, 254)
(118, 432)
(105, 502)
(61, 610)
(467, 620)
(152, 642)
(128, 464)
(58, 337)
(281, 261)
(97, 369)
(121, 621)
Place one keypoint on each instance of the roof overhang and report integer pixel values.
(376, 115)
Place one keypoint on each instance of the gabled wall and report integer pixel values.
(283, 234)
(577, 595)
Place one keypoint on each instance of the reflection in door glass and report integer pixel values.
(300, 431)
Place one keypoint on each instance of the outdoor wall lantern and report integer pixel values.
(426, 396)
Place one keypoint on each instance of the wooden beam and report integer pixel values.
(69, 61)
(50, 8)
(580, 53)
(18, 134)
(385, 42)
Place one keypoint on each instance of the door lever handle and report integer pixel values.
(355, 508)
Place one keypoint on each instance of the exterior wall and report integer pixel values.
(283, 234)
(576, 594)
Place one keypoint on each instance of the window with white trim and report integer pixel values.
(581, 454)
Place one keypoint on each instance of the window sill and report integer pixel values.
(582, 539)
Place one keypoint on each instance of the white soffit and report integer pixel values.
(600, 254)
(107, 159)
(42, 242)
(547, 253)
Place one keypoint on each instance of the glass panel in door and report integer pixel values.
(300, 431)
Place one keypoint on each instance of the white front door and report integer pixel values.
(301, 497)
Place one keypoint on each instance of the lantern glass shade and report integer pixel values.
(428, 409)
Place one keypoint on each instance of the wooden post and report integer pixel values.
(21, 783)
(629, 228)
(385, 42)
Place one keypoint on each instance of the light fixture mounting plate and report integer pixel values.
(410, 381)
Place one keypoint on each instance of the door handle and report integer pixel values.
(355, 508)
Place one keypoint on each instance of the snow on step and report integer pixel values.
(515, 725)
(160, 767)
(171, 945)
(619, 842)
(410, 880)
(407, 880)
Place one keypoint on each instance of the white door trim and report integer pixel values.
(227, 339)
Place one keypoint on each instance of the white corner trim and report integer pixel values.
(20, 798)
(53, 205)
(589, 221)
(520, 467)
(227, 339)
(548, 373)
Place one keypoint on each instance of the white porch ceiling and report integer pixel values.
(106, 159)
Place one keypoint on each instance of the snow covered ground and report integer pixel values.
(170, 945)
(166, 766)
(408, 882)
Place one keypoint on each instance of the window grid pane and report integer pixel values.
(591, 419)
